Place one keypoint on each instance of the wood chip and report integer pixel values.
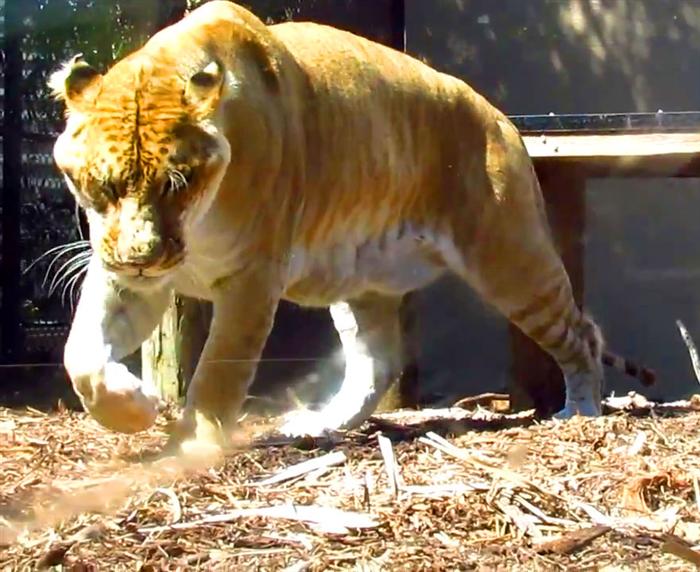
(75, 495)
(572, 541)
(678, 547)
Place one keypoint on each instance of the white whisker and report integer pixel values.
(70, 286)
(56, 259)
(67, 269)
(61, 249)
(177, 179)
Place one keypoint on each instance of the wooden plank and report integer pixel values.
(615, 145)
(536, 380)
(620, 155)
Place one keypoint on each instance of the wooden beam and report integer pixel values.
(619, 154)
(615, 145)
(536, 380)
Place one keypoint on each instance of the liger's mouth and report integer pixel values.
(145, 276)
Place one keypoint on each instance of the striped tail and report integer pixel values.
(645, 375)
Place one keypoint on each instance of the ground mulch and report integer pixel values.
(455, 489)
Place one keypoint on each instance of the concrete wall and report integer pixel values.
(565, 56)
(642, 263)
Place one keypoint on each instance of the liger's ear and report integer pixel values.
(77, 83)
(204, 88)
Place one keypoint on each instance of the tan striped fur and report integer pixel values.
(246, 164)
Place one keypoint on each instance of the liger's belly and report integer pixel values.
(393, 263)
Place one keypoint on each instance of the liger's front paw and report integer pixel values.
(197, 437)
(119, 400)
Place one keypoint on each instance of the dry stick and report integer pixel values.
(447, 490)
(679, 547)
(300, 566)
(481, 399)
(442, 444)
(175, 506)
(572, 541)
(304, 513)
(692, 350)
(518, 518)
(329, 460)
(597, 517)
(696, 490)
(540, 514)
(392, 473)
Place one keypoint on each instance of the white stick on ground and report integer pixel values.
(692, 350)
(305, 513)
(334, 458)
(390, 465)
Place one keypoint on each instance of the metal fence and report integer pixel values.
(37, 213)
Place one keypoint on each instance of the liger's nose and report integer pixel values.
(134, 253)
(156, 254)
(138, 243)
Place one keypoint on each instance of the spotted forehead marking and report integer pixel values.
(133, 122)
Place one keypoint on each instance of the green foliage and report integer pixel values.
(102, 30)
(52, 31)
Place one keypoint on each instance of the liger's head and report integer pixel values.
(140, 152)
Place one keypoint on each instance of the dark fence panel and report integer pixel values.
(37, 211)
(38, 214)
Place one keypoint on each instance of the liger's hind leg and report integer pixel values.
(552, 319)
(369, 331)
(516, 268)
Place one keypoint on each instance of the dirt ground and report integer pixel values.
(457, 489)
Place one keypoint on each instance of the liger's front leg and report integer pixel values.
(244, 310)
(110, 323)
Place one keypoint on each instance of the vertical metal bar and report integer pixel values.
(10, 256)
(398, 24)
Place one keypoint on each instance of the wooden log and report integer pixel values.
(169, 357)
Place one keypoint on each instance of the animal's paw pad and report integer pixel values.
(119, 400)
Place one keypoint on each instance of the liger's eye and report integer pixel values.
(109, 190)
